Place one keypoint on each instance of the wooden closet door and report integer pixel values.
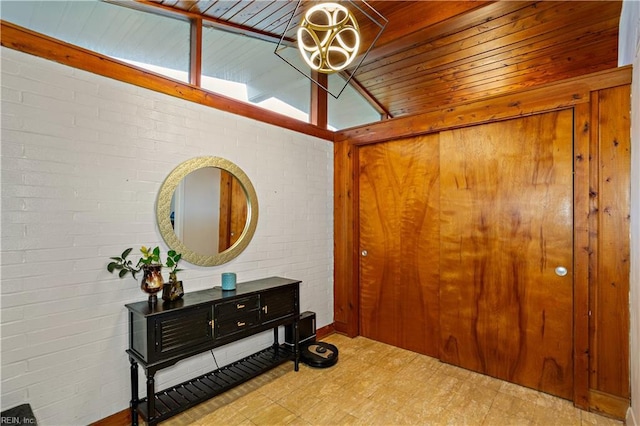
(506, 225)
(399, 243)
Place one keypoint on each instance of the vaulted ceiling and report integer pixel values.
(438, 53)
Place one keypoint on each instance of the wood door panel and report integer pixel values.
(506, 223)
(399, 229)
(610, 246)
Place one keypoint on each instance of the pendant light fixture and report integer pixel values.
(326, 37)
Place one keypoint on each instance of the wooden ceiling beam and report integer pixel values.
(195, 52)
(318, 112)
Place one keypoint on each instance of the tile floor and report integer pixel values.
(377, 384)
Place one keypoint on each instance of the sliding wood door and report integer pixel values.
(506, 258)
(399, 243)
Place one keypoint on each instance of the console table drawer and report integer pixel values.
(230, 326)
(237, 307)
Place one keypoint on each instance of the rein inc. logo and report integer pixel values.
(20, 415)
(17, 420)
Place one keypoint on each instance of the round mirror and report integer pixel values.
(207, 209)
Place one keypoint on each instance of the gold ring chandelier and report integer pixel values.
(328, 38)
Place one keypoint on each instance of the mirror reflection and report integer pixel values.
(207, 210)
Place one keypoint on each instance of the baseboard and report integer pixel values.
(607, 404)
(121, 418)
(325, 331)
(631, 419)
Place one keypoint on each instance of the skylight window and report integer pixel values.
(233, 65)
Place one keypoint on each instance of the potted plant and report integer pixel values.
(149, 264)
(173, 290)
(172, 262)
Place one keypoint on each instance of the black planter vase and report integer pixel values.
(173, 289)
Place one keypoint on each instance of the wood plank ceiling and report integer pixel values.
(433, 54)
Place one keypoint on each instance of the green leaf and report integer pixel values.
(177, 258)
(126, 252)
(123, 273)
(170, 263)
(111, 266)
(171, 253)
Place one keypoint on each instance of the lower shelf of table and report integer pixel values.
(176, 399)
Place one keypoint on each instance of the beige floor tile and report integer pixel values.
(360, 410)
(421, 409)
(439, 389)
(272, 414)
(251, 403)
(470, 393)
(298, 421)
(349, 420)
(496, 417)
(377, 384)
(468, 416)
(384, 417)
(366, 385)
(395, 359)
(325, 413)
(484, 381)
(453, 371)
(389, 398)
(589, 419)
(517, 391)
(179, 420)
(299, 402)
(279, 388)
(420, 367)
(223, 416)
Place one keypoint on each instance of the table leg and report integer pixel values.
(296, 346)
(276, 342)
(134, 392)
(151, 396)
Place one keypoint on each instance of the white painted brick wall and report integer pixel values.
(82, 160)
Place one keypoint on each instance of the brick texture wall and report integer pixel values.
(82, 160)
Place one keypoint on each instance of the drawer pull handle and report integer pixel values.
(265, 308)
(239, 306)
(241, 324)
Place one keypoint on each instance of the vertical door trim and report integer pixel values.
(581, 195)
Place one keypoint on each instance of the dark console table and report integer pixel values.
(160, 335)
